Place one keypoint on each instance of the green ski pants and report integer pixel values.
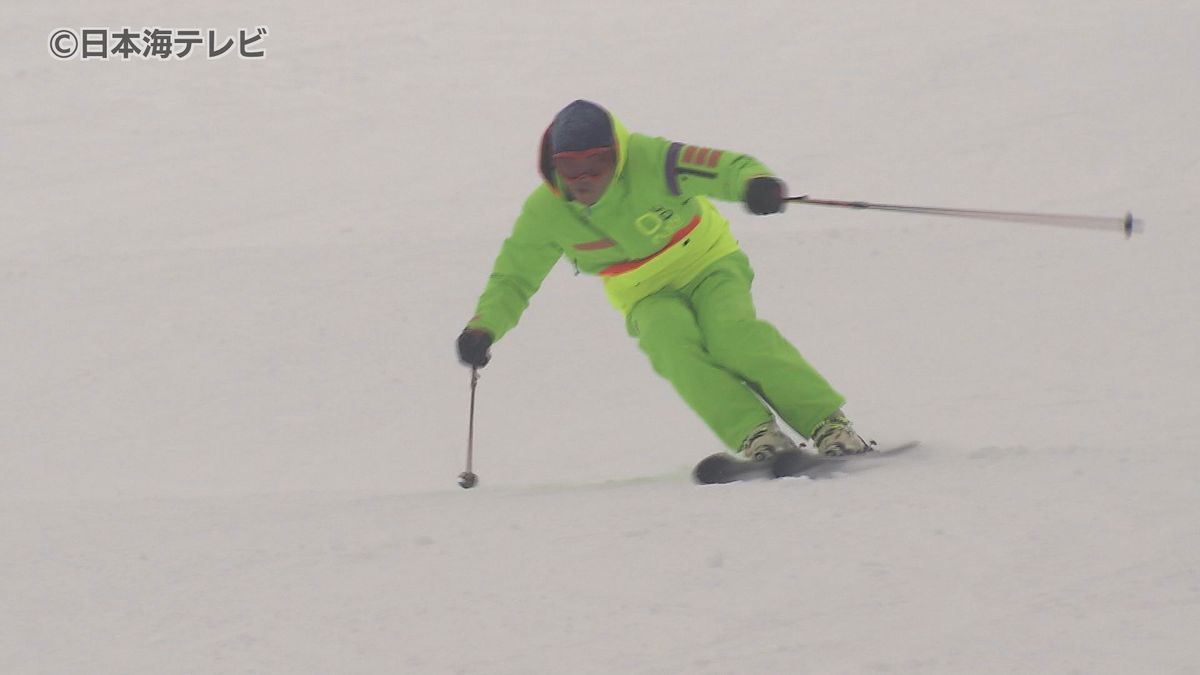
(707, 340)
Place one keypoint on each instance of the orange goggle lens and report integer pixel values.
(576, 164)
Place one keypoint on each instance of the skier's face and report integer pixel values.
(589, 189)
(586, 172)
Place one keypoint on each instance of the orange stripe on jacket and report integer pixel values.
(595, 245)
(630, 265)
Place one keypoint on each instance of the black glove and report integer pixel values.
(764, 194)
(473, 346)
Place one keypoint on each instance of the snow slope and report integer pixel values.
(231, 419)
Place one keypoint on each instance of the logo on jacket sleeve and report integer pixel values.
(700, 157)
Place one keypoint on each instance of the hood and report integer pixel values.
(546, 167)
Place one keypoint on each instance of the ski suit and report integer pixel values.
(671, 266)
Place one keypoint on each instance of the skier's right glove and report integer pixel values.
(473, 346)
(764, 195)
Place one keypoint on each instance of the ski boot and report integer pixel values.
(765, 442)
(835, 437)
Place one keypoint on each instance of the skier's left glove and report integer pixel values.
(473, 345)
(764, 195)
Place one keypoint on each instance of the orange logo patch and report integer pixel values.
(697, 156)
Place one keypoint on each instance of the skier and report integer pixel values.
(634, 209)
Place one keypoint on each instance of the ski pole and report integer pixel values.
(1128, 224)
(468, 479)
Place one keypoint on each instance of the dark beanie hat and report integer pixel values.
(580, 126)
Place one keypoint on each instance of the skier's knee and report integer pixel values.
(675, 359)
(730, 340)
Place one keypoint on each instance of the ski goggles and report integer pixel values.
(575, 164)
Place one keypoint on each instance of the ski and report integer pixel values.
(723, 467)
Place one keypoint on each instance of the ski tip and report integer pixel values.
(890, 448)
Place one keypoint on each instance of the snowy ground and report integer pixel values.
(231, 419)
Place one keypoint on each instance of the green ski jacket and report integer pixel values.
(653, 228)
